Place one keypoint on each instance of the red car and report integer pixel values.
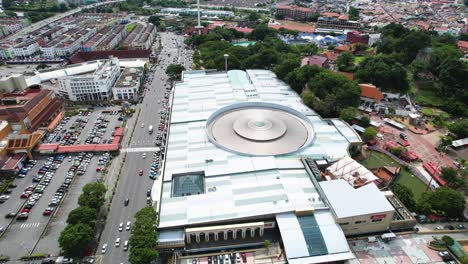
(140, 173)
(404, 142)
(47, 212)
(24, 195)
(25, 210)
(99, 169)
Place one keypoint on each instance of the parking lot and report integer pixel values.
(86, 127)
(49, 190)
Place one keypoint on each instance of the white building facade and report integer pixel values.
(93, 86)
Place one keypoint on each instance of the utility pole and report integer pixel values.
(199, 27)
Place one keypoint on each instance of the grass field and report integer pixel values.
(358, 59)
(376, 160)
(426, 94)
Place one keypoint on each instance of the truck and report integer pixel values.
(150, 129)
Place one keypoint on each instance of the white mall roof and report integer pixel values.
(348, 202)
(238, 186)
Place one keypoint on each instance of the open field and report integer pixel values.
(376, 160)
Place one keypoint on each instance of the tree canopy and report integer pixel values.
(143, 239)
(75, 239)
(345, 61)
(93, 195)
(444, 200)
(384, 72)
(175, 71)
(83, 215)
(333, 93)
(450, 175)
(370, 133)
(405, 195)
(349, 113)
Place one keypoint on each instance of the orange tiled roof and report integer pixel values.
(462, 44)
(330, 55)
(370, 91)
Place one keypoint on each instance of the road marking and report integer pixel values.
(148, 149)
(30, 225)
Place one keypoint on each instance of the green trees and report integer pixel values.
(353, 13)
(282, 69)
(349, 113)
(333, 93)
(299, 77)
(75, 239)
(143, 239)
(79, 233)
(175, 71)
(384, 72)
(450, 175)
(370, 133)
(405, 195)
(444, 200)
(83, 215)
(459, 128)
(93, 195)
(261, 32)
(345, 61)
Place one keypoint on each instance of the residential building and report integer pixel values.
(370, 93)
(128, 84)
(235, 172)
(94, 85)
(293, 11)
(26, 48)
(146, 38)
(337, 23)
(318, 60)
(463, 46)
(194, 11)
(356, 37)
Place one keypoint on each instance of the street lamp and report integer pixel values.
(226, 56)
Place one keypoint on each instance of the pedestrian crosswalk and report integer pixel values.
(30, 225)
(147, 149)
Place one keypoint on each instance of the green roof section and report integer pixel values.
(313, 236)
(186, 185)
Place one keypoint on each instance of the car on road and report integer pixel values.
(22, 216)
(120, 227)
(4, 197)
(140, 173)
(117, 242)
(125, 246)
(126, 201)
(104, 249)
(129, 225)
(142, 125)
(404, 143)
(10, 215)
(461, 227)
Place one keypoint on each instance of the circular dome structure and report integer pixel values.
(260, 129)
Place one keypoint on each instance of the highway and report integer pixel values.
(49, 20)
(131, 185)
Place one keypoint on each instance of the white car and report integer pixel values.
(129, 225)
(117, 242)
(104, 249)
(4, 197)
(142, 125)
(120, 227)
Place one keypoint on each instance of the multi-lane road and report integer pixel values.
(131, 185)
